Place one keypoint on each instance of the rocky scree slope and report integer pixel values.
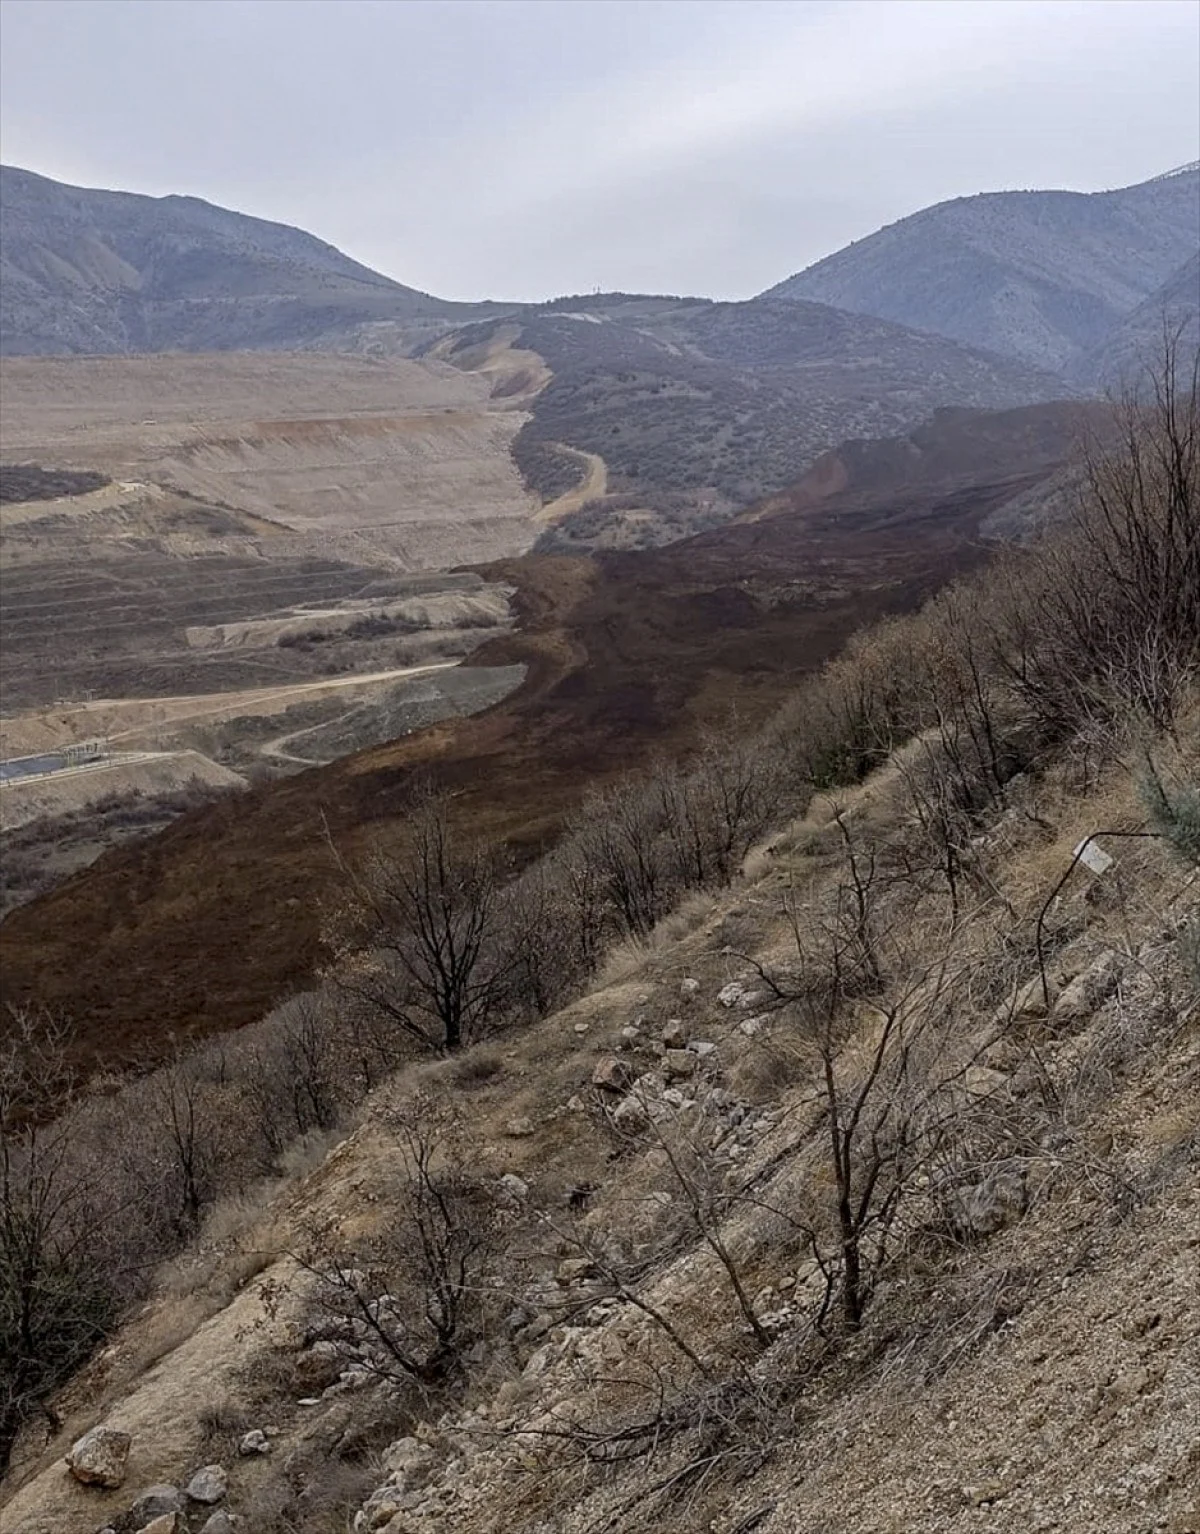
(108, 272)
(1028, 1360)
(1045, 277)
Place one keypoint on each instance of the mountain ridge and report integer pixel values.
(98, 271)
(1044, 276)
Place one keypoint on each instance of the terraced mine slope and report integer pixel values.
(230, 530)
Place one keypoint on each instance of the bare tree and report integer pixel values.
(618, 837)
(1107, 615)
(427, 952)
(418, 1291)
(58, 1294)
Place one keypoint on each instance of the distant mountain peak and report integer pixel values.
(85, 270)
(1045, 277)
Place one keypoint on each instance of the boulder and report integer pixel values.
(675, 1034)
(753, 1026)
(573, 1270)
(210, 1483)
(167, 1523)
(408, 1460)
(1085, 993)
(219, 1523)
(611, 1074)
(520, 1128)
(990, 1205)
(688, 987)
(254, 1442)
(100, 1456)
(317, 1367)
(156, 1502)
(679, 1064)
(731, 995)
(630, 1115)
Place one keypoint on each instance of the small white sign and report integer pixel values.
(1093, 856)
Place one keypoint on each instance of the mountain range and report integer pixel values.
(112, 272)
(1049, 279)
(1046, 277)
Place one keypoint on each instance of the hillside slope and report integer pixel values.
(1028, 1362)
(699, 409)
(1176, 304)
(1041, 276)
(96, 271)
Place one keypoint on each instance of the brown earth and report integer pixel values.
(202, 928)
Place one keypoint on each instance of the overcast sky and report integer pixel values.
(522, 148)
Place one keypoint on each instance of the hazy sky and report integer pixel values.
(520, 148)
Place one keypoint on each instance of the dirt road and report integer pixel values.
(125, 719)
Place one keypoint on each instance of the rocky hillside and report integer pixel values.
(652, 1322)
(804, 1142)
(104, 272)
(1176, 303)
(1045, 277)
(698, 409)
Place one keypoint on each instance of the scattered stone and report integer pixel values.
(581, 1028)
(317, 1367)
(515, 1189)
(1093, 856)
(574, 1270)
(209, 1484)
(219, 1523)
(982, 1081)
(753, 1026)
(731, 995)
(155, 1502)
(630, 1115)
(630, 1037)
(100, 1456)
(168, 1523)
(254, 1442)
(689, 987)
(679, 1064)
(703, 1048)
(576, 1104)
(408, 1460)
(996, 1202)
(611, 1074)
(519, 1128)
(675, 1034)
(1085, 993)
